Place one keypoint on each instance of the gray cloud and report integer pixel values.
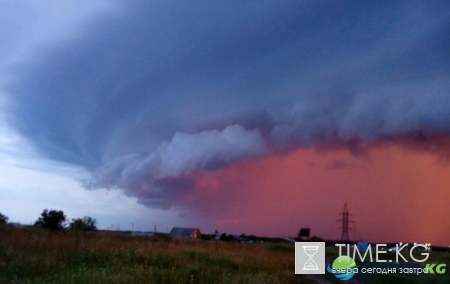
(183, 154)
(147, 94)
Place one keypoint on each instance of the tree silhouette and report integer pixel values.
(85, 224)
(3, 219)
(52, 220)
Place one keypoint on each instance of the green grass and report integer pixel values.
(30, 255)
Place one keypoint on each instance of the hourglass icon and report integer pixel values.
(310, 264)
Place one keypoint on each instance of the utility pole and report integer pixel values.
(345, 220)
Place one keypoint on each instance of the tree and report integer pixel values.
(3, 219)
(85, 224)
(52, 219)
(225, 237)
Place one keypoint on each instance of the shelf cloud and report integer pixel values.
(147, 93)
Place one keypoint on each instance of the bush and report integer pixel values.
(226, 238)
(52, 220)
(3, 219)
(206, 237)
(85, 224)
(316, 239)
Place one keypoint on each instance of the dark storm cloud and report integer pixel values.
(164, 88)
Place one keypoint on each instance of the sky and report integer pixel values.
(255, 117)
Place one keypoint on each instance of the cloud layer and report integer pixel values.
(183, 154)
(144, 95)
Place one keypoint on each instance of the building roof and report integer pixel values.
(183, 232)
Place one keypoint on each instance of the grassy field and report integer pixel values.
(30, 255)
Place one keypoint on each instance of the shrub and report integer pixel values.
(85, 224)
(316, 239)
(227, 238)
(52, 219)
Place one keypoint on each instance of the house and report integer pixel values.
(185, 233)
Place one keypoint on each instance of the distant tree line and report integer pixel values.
(56, 220)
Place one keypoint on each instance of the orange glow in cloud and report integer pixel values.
(393, 194)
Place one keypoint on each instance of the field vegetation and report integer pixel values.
(35, 255)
